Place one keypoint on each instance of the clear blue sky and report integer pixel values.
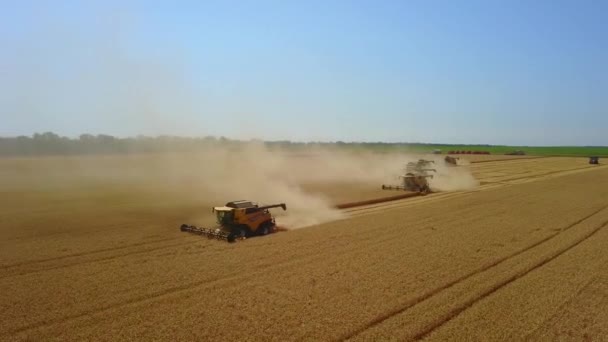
(498, 72)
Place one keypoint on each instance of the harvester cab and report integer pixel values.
(239, 220)
(422, 167)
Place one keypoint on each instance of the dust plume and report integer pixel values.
(311, 181)
(453, 178)
(252, 171)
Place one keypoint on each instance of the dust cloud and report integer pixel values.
(453, 178)
(310, 181)
(252, 171)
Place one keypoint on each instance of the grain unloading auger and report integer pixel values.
(239, 220)
(415, 178)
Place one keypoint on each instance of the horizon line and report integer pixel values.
(335, 142)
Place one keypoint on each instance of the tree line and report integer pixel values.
(49, 143)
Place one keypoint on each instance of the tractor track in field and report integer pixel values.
(12, 270)
(35, 263)
(453, 313)
(506, 168)
(83, 262)
(531, 178)
(81, 254)
(524, 168)
(543, 175)
(192, 286)
(564, 305)
(498, 166)
(224, 281)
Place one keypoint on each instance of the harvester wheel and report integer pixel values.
(237, 233)
(265, 228)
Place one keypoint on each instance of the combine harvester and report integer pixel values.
(238, 220)
(415, 178)
(451, 161)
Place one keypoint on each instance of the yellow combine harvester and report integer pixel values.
(415, 178)
(451, 161)
(239, 220)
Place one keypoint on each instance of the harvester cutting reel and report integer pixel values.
(411, 182)
(212, 233)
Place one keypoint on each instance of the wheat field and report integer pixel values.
(91, 250)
